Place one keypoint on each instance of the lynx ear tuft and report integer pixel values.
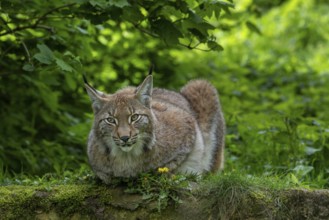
(151, 69)
(94, 95)
(144, 91)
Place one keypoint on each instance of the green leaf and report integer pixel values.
(199, 30)
(213, 45)
(119, 3)
(252, 27)
(201, 37)
(311, 150)
(45, 56)
(28, 67)
(294, 179)
(44, 49)
(99, 3)
(195, 18)
(63, 65)
(167, 31)
(132, 14)
(225, 4)
(210, 8)
(169, 11)
(302, 170)
(42, 59)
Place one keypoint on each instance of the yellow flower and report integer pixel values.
(163, 169)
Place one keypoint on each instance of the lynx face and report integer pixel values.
(125, 128)
(124, 121)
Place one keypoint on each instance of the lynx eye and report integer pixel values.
(110, 120)
(134, 117)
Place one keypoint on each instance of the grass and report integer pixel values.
(234, 195)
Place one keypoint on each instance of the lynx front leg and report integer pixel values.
(174, 164)
(188, 163)
(105, 177)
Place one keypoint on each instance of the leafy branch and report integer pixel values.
(188, 46)
(36, 24)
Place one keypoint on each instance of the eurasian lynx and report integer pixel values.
(141, 129)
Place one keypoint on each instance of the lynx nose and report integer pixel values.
(124, 138)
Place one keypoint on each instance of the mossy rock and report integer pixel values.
(91, 201)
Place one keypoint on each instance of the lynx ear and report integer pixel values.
(144, 91)
(94, 95)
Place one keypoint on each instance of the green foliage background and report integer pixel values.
(272, 76)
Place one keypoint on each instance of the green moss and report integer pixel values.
(15, 194)
(18, 201)
(27, 201)
(69, 199)
(103, 193)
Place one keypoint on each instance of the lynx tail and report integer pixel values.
(204, 100)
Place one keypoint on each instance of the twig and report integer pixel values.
(194, 47)
(145, 31)
(27, 51)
